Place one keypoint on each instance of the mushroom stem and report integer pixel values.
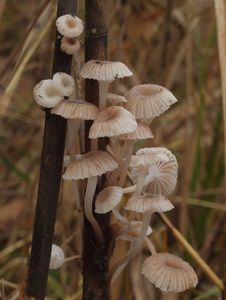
(134, 248)
(119, 217)
(150, 246)
(88, 205)
(74, 257)
(129, 189)
(129, 153)
(140, 180)
(103, 90)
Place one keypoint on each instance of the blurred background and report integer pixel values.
(169, 42)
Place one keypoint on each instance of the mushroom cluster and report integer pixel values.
(124, 120)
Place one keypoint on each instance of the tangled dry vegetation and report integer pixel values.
(172, 43)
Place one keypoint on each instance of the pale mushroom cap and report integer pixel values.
(142, 132)
(112, 121)
(107, 199)
(69, 26)
(64, 84)
(45, 94)
(144, 203)
(133, 230)
(104, 70)
(57, 257)
(161, 176)
(76, 110)
(115, 99)
(149, 100)
(70, 45)
(93, 163)
(169, 273)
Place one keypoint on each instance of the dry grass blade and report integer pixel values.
(202, 264)
(5, 99)
(221, 33)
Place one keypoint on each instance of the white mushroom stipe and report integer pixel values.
(57, 257)
(88, 206)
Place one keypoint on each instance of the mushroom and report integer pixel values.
(70, 45)
(142, 132)
(57, 257)
(114, 99)
(69, 26)
(112, 121)
(154, 203)
(105, 72)
(45, 94)
(108, 199)
(169, 273)
(64, 84)
(147, 101)
(90, 165)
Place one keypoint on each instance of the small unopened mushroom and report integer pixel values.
(153, 203)
(169, 273)
(78, 109)
(105, 72)
(115, 99)
(112, 121)
(90, 165)
(64, 84)
(46, 95)
(70, 45)
(147, 101)
(57, 257)
(70, 26)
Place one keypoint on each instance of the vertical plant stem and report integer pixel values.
(95, 253)
(50, 178)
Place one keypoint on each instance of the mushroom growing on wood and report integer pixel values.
(69, 26)
(90, 165)
(104, 72)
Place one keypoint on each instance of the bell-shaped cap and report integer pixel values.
(78, 109)
(169, 273)
(57, 257)
(161, 176)
(45, 94)
(144, 203)
(115, 99)
(70, 45)
(107, 199)
(147, 101)
(142, 132)
(112, 121)
(104, 70)
(64, 84)
(69, 26)
(93, 163)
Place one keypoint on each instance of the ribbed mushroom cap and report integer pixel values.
(93, 163)
(76, 110)
(115, 99)
(169, 273)
(57, 257)
(112, 121)
(144, 203)
(162, 175)
(69, 26)
(104, 70)
(142, 132)
(64, 84)
(146, 159)
(149, 100)
(107, 199)
(132, 230)
(45, 94)
(70, 45)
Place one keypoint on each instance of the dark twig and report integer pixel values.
(50, 178)
(95, 254)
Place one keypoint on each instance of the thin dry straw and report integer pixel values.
(221, 34)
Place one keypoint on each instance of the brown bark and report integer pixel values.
(50, 178)
(95, 254)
